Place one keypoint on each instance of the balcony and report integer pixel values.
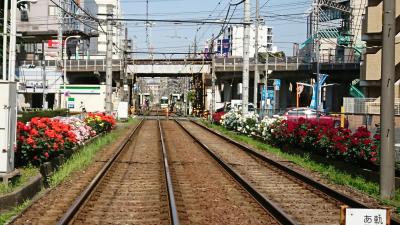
(371, 68)
(372, 23)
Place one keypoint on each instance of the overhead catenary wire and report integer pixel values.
(75, 16)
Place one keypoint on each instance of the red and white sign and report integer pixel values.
(53, 43)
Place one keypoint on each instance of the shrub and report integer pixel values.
(82, 131)
(247, 124)
(230, 120)
(26, 116)
(100, 122)
(42, 139)
(322, 138)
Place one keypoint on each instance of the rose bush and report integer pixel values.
(100, 122)
(230, 120)
(82, 131)
(247, 124)
(42, 139)
(325, 139)
(321, 138)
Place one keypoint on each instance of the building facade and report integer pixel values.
(372, 35)
(38, 24)
(118, 29)
(235, 36)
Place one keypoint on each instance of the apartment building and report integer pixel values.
(234, 35)
(38, 24)
(338, 31)
(118, 29)
(372, 35)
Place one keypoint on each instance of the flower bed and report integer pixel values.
(43, 139)
(100, 122)
(82, 131)
(324, 139)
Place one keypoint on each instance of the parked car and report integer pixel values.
(313, 115)
(221, 111)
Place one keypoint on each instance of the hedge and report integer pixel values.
(26, 116)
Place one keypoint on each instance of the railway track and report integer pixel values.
(132, 188)
(302, 199)
(157, 179)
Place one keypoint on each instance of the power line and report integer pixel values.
(75, 16)
(179, 21)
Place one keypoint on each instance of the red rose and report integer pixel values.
(50, 133)
(71, 134)
(46, 154)
(367, 141)
(373, 154)
(355, 141)
(30, 141)
(33, 132)
(373, 159)
(41, 125)
(35, 120)
(377, 137)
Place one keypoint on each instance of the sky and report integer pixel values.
(287, 17)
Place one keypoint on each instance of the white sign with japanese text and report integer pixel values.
(365, 216)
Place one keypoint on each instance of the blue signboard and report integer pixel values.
(277, 84)
(219, 47)
(263, 94)
(225, 47)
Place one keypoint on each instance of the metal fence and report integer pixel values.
(370, 106)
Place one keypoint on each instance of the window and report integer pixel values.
(24, 15)
(52, 10)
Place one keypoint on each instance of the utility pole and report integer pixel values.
(246, 46)
(195, 46)
(387, 168)
(8, 101)
(256, 72)
(5, 35)
(266, 82)
(109, 106)
(213, 78)
(13, 40)
(122, 70)
(125, 69)
(60, 45)
(316, 51)
(44, 81)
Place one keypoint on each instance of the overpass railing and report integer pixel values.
(295, 63)
(74, 65)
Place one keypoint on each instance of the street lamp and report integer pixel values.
(65, 66)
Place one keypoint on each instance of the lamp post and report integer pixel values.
(65, 66)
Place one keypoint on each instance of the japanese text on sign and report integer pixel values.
(365, 216)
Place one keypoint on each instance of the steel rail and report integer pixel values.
(267, 204)
(74, 208)
(321, 187)
(171, 197)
